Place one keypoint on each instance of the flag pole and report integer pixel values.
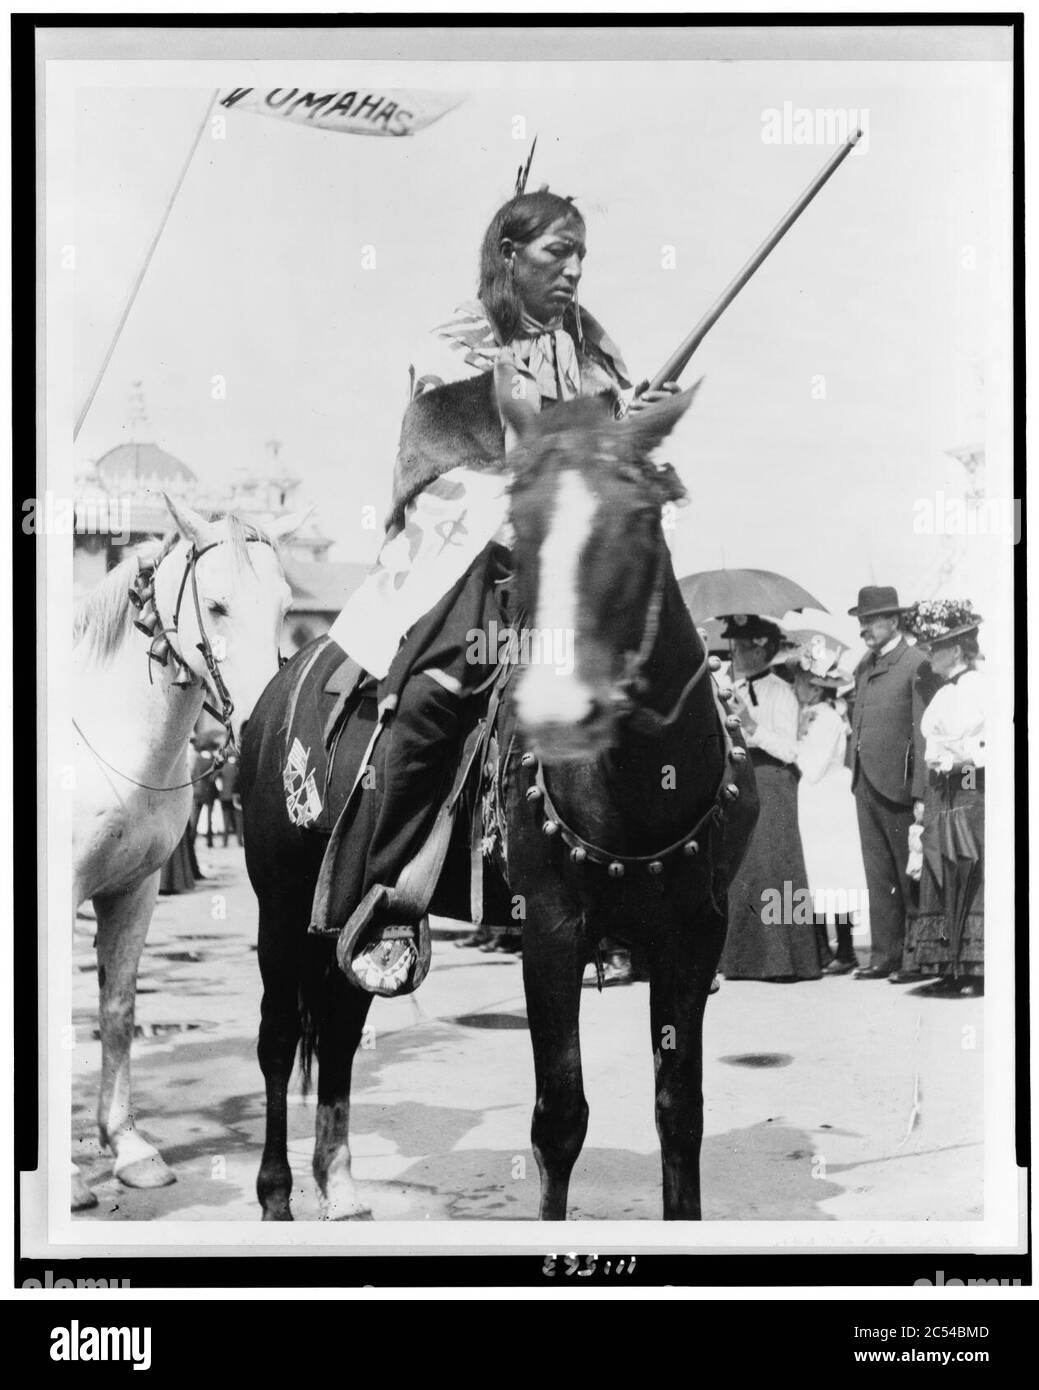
(85, 407)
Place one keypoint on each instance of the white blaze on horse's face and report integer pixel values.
(551, 695)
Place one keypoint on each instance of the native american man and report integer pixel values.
(437, 578)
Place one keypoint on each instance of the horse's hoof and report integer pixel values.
(146, 1172)
(82, 1197)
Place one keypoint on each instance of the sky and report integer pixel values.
(873, 340)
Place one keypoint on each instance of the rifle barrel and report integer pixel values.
(679, 359)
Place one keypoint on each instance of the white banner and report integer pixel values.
(384, 111)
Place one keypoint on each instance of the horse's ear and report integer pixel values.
(284, 526)
(192, 525)
(519, 401)
(645, 429)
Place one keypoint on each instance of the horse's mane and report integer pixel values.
(102, 620)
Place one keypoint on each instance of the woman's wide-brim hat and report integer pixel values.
(876, 600)
(934, 622)
(752, 627)
(832, 680)
(818, 665)
(964, 630)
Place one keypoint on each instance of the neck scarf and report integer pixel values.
(546, 352)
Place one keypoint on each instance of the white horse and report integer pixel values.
(213, 598)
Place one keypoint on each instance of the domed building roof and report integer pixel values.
(140, 463)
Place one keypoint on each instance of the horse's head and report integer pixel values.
(241, 596)
(590, 562)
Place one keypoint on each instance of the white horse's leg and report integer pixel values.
(122, 925)
(82, 1197)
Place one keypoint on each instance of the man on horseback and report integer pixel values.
(440, 574)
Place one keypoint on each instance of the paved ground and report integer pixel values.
(828, 1100)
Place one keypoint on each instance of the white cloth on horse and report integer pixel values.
(446, 526)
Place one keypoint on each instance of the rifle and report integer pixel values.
(679, 359)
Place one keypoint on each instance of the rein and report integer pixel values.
(161, 650)
(219, 758)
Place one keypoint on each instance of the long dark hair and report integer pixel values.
(521, 220)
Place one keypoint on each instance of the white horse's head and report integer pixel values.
(242, 599)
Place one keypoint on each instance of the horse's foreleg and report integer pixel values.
(122, 925)
(81, 1197)
(681, 969)
(279, 958)
(552, 967)
(341, 1027)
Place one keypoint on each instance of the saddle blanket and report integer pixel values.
(331, 717)
(327, 682)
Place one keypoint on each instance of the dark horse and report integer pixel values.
(627, 800)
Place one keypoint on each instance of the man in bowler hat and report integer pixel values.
(888, 772)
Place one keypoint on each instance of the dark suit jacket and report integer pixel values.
(887, 748)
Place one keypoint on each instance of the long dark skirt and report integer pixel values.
(180, 871)
(954, 852)
(771, 931)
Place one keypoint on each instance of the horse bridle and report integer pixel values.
(625, 692)
(218, 684)
(624, 700)
(161, 649)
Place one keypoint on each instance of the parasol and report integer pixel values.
(841, 634)
(719, 593)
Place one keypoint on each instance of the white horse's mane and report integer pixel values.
(102, 619)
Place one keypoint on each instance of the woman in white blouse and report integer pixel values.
(947, 936)
(826, 809)
(771, 922)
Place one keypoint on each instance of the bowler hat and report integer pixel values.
(876, 599)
